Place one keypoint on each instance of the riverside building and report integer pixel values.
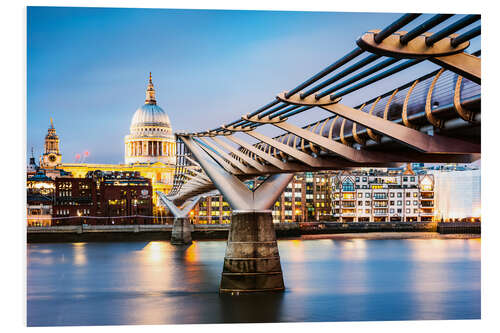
(458, 194)
(149, 150)
(39, 200)
(306, 198)
(103, 198)
(380, 195)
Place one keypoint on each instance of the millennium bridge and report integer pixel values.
(434, 118)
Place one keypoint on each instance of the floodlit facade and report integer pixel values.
(51, 156)
(458, 195)
(40, 192)
(383, 196)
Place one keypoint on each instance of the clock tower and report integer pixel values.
(51, 156)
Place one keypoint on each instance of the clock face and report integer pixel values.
(52, 158)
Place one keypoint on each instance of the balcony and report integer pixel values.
(348, 205)
(347, 214)
(427, 206)
(381, 214)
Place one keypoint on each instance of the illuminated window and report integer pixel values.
(348, 186)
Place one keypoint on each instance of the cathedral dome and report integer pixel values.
(150, 115)
(151, 139)
(150, 119)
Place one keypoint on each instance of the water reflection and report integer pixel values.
(243, 308)
(353, 249)
(79, 254)
(326, 280)
(155, 252)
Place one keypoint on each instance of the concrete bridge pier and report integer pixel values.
(181, 229)
(252, 260)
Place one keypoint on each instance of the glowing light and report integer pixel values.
(155, 251)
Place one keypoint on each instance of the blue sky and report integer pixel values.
(88, 67)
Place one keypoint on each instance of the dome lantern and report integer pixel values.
(150, 92)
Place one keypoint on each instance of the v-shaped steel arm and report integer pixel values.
(235, 192)
(178, 212)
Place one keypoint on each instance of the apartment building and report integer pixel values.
(382, 195)
(307, 198)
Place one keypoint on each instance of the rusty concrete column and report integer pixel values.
(181, 231)
(252, 261)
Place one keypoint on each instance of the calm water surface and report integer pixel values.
(326, 280)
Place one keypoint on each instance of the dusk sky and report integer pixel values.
(88, 67)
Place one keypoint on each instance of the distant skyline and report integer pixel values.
(87, 68)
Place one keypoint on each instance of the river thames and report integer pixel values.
(419, 276)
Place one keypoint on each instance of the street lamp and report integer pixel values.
(135, 209)
(79, 215)
(297, 215)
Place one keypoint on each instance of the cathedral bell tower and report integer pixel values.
(51, 156)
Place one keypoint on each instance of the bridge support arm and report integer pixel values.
(251, 262)
(181, 228)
